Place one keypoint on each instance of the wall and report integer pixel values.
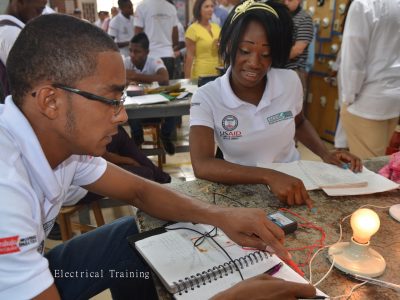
(322, 107)
(3, 6)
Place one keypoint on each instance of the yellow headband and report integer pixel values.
(251, 4)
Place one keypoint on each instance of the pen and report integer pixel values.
(295, 267)
(382, 283)
(275, 269)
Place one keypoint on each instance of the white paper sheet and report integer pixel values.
(307, 171)
(146, 99)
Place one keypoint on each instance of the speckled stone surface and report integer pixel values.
(329, 210)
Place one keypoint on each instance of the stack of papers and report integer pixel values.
(146, 99)
(333, 180)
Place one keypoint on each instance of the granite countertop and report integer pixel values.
(327, 212)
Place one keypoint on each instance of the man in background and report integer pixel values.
(121, 26)
(370, 75)
(219, 15)
(102, 17)
(302, 35)
(159, 20)
(142, 68)
(17, 14)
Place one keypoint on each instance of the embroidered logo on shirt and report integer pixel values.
(230, 123)
(9, 245)
(280, 117)
(27, 241)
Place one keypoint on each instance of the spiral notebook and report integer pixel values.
(200, 272)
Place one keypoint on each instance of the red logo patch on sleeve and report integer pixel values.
(9, 245)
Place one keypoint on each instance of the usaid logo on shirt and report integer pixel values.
(230, 123)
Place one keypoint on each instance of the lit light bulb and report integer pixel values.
(365, 223)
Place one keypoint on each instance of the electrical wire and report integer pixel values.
(205, 235)
(350, 293)
(333, 260)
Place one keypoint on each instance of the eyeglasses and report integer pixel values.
(117, 104)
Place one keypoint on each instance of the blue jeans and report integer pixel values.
(103, 253)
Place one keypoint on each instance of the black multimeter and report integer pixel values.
(287, 224)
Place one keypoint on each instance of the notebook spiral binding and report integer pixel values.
(195, 281)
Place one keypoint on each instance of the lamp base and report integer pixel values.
(394, 212)
(355, 258)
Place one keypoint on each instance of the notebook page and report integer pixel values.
(331, 176)
(145, 99)
(292, 169)
(376, 184)
(173, 256)
(210, 289)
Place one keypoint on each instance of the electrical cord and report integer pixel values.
(205, 235)
(333, 260)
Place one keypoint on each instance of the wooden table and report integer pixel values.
(174, 108)
(329, 210)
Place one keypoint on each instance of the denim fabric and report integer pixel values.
(105, 253)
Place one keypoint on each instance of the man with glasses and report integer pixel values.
(67, 81)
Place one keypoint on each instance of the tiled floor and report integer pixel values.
(179, 167)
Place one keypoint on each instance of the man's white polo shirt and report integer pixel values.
(121, 29)
(157, 18)
(31, 194)
(151, 66)
(8, 35)
(249, 134)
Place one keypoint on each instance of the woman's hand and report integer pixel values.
(265, 287)
(288, 189)
(343, 159)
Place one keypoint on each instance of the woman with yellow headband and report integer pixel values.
(254, 111)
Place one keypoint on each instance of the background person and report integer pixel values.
(142, 68)
(302, 37)
(121, 26)
(17, 13)
(370, 76)
(250, 112)
(159, 20)
(201, 42)
(102, 17)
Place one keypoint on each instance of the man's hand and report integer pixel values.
(250, 227)
(343, 159)
(289, 189)
(265, 287)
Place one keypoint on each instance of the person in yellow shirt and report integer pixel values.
(202, 42)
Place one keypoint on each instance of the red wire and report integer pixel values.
(310, 248)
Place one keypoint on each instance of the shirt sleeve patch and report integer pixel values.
(9, 245)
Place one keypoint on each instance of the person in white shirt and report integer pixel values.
(17, 13)
(159, 20)
(142, 68)
(254, 111)
(370, 75)
(226, 5)
(53, 130)
(102, 17)
(121, 26)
